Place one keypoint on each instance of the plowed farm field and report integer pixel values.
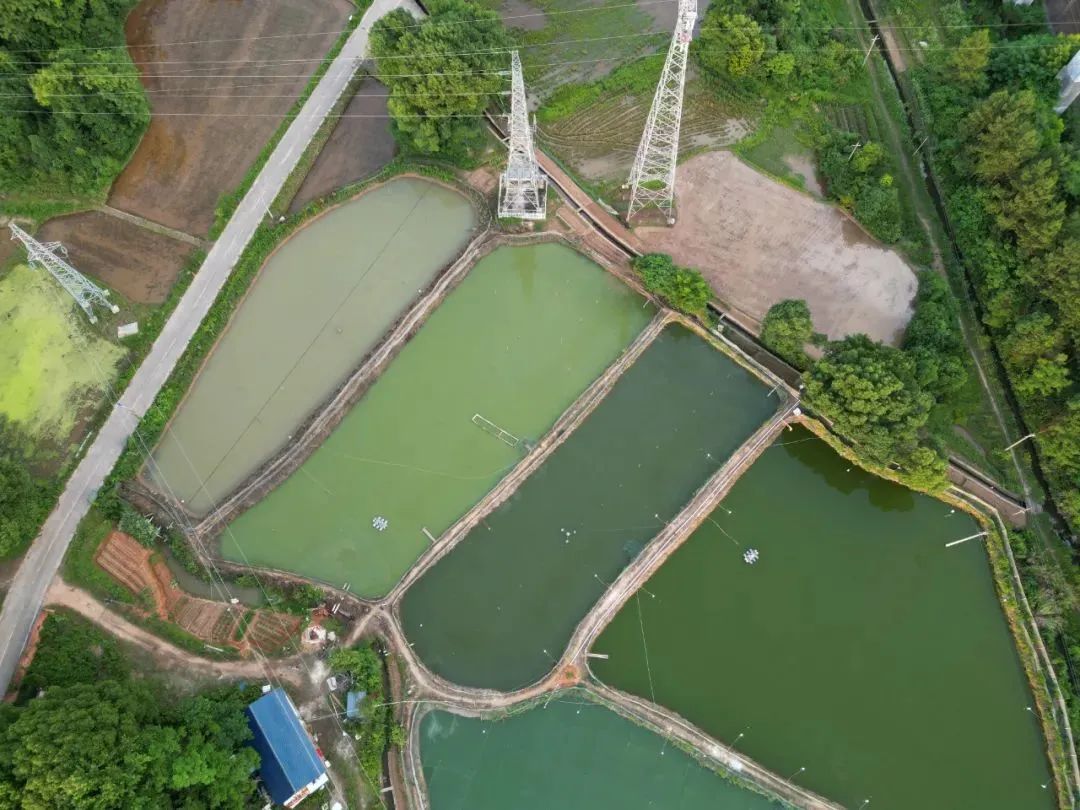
(220, 76)
(599, 141)
(139, 264)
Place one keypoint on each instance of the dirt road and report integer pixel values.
(165, 654)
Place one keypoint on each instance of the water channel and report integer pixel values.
(858, 647)
(320, 304)
(499, 609)
(572, 754)
(510, 348)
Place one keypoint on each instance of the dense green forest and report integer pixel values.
(71, 106)
(88, 732)
(1010, 170)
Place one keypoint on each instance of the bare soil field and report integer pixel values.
(358, 147)
(205, 57)
(600, 141)
(139, 264)
(758, 242)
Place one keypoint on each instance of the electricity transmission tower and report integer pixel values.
(652, 180)
(48, 256)
(522, 188)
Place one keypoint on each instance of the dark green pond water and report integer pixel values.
(573, 755)
(499, 609)
(858, 647)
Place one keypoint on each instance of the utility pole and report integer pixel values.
(853, 150)
(47, 256)
(869, 50)
(522, 188)
(652, 179)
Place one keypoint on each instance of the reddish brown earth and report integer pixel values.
(141, 571)
(227, 90)
(358, 148)
(139, 264)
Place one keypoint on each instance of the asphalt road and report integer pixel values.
(42, 561)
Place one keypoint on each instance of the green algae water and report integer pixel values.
(320, 304)
(520, 338)
(499, 609)
(572, 755)
(858, 647)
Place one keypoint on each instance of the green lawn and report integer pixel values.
(52, 366)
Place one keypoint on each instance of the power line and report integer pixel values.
(341, 31)
(338, 32)
(427, 55)
(1035, 46)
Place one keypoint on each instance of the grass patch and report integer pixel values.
(51, 365)
(635, 78)
(596, 42)
(295, 180)
(72, 650)
(243, 624)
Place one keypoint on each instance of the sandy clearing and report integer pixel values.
(758, 242)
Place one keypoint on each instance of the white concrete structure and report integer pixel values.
(1070, 83)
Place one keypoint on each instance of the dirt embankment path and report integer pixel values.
(165, 654)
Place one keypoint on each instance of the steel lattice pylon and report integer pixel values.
(522, 187)
(652, 180)
(45, 255)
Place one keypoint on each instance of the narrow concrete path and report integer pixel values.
(42, 561)
(156, 227)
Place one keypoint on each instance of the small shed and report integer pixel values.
(290, 766)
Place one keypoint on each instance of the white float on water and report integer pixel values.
(750, 556)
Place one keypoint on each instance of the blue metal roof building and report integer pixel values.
(290, 766)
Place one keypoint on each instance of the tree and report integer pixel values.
(363, 664)
(968, 61)
(870, 394)
(681, 287)
(23, 506)
(1001, 134)
(71, 111)
(1029, 205)
(786, 329)
(442, 73)
(729, 45)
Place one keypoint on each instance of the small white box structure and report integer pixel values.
(127, 329)
(1070, 83)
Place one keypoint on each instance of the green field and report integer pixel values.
(52, 366)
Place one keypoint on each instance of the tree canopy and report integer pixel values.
(98, 738)
(1010, 170)
(24, 503)
(71, 105)
(786, 329)
(870, 393)
(442, 73)
(681, 287)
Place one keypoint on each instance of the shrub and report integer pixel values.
(786, 329)
(681, 287)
